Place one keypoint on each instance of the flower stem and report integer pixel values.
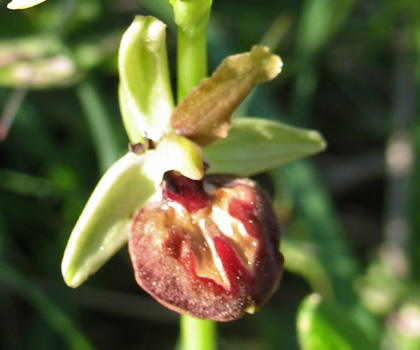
(191, 61)
(198, 334)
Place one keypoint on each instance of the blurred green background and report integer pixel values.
(350, 215)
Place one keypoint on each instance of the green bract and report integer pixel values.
(172, 137)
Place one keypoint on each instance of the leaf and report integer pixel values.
(204, 114)
(103, 226)
(191, 16)
(256, 145)
(178, 153)
(104, 136)
(321, 227)
(298, 256)
(146, 96)
(23, 4)
(325, 326)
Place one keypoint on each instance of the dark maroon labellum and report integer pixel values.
(209, 248)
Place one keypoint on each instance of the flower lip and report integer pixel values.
(196, 261)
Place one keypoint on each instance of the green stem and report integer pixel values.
(191, 62)
(198, 334)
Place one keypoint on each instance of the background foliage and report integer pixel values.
(350, 215)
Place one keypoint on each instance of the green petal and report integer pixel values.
(325, 326)
(204, 114)
(191, 16)
(103, 226)
(178, 153)
(145, 82)
(23, 4)
(256, 145)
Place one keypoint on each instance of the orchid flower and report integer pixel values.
(202, 240)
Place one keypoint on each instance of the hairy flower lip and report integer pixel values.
(187, 262)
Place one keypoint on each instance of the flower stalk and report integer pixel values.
(191, 19)
(191, 61)
(196, 334)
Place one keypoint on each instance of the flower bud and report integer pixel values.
(209, 248)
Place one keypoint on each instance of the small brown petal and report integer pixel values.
(204, 114)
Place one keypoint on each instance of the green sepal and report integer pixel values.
(147, 100)
(178, 153)
(128, 118)
(326, 326)
(191, 16)
(256, 145)
(103, 226)
(204, 114)
(23, 4)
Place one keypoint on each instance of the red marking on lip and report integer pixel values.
(235, 271)
(245, 213)
(189, 193)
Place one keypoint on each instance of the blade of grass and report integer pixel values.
(52, 313)
(104, 138)
(10, 111)
(25, 184)
(312, 202)
(319, 21)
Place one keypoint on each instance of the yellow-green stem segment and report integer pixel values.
(191, 61)
(198, 334)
